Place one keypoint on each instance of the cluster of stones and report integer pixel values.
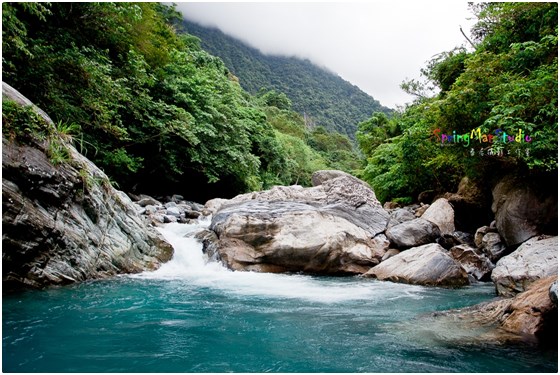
(175, 209)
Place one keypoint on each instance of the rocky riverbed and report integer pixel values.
(65, 223)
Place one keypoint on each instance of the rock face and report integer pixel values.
(533, 260)
(441, 214)
(413, 233)
(424, 265)
(529, 315)
(525, 208)
(325, 229)
(66, 223)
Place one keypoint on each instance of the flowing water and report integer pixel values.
(195, 316)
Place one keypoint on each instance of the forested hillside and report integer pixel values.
(325, 98)
(496, 112)
(155, 111)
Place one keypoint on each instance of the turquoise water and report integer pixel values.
(190, 316)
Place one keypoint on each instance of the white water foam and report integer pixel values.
(191, 265)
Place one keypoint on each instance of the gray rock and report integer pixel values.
(456, 238)
(324, 229)
(173, 211)
(66, 223)
(170, 205)
(413, 233)
(423, 265)
(169, 219)
(481, 232)
(319, 177)
(441, 213)
(493, 246)
(472, 261)
(533, 260)
(177, 198)
(525, 208)
(195, 206)
(400, 215)
(150, 210)
(147, 200)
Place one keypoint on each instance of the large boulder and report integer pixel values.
(413, 233)
(64, 223)
(533, 260)
(441, 214)
(529, 316)
(328, 229)
(525, 208)
(424, 265)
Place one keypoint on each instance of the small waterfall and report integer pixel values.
(190, 264)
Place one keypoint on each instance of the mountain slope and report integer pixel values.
(322, 96)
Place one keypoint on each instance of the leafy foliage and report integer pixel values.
(323, 97)
(149, 106)
(508, 85)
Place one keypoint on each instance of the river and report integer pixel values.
(196, 316)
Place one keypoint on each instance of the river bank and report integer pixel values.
(194, 316)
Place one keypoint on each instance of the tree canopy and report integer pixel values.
(496, 108)
(154, 110)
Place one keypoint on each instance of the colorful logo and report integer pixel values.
(498, 136)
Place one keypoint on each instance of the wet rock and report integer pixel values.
(412, 233)
(529, 316)
(423, 265)
(534, 259)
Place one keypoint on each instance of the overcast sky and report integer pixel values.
(375, 45)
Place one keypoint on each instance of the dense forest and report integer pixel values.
(496, 110)
(161, 115)
(323, 97)
(149, 106)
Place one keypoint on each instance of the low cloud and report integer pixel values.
(373, 45)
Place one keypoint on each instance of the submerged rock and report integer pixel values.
(533, 260)
(530, 315)
(65, 223)
(423, 265)
(326, 229)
